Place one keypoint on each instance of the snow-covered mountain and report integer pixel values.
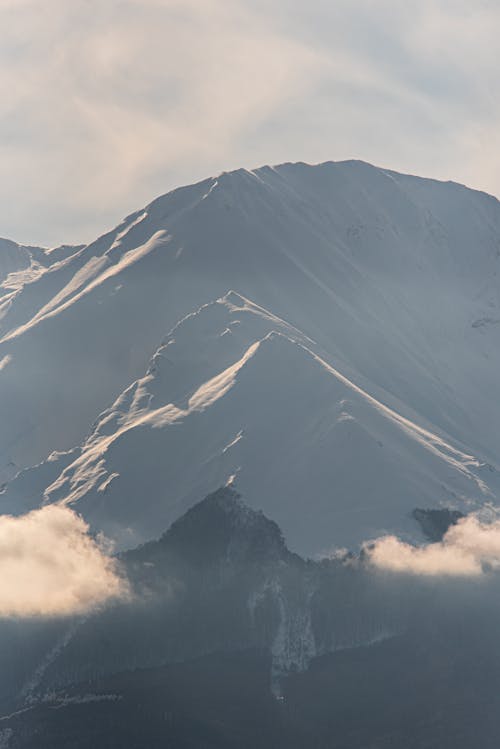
(20, 262)
(350, 377)
(13, 257)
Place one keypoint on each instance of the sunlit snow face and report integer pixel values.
(136, 97)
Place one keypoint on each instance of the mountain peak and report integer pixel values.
(223, 528)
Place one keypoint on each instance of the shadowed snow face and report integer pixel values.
(50, 566)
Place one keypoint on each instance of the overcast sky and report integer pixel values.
(105, 104)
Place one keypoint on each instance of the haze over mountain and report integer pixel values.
(325, 336)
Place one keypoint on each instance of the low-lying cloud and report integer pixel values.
(51, 566)
(468, 549)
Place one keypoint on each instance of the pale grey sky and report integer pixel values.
(107, 103)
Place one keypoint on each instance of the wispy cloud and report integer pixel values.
(50, 566)
(105, 104)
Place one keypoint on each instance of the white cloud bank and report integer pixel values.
(50, 566)
(468, 549)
